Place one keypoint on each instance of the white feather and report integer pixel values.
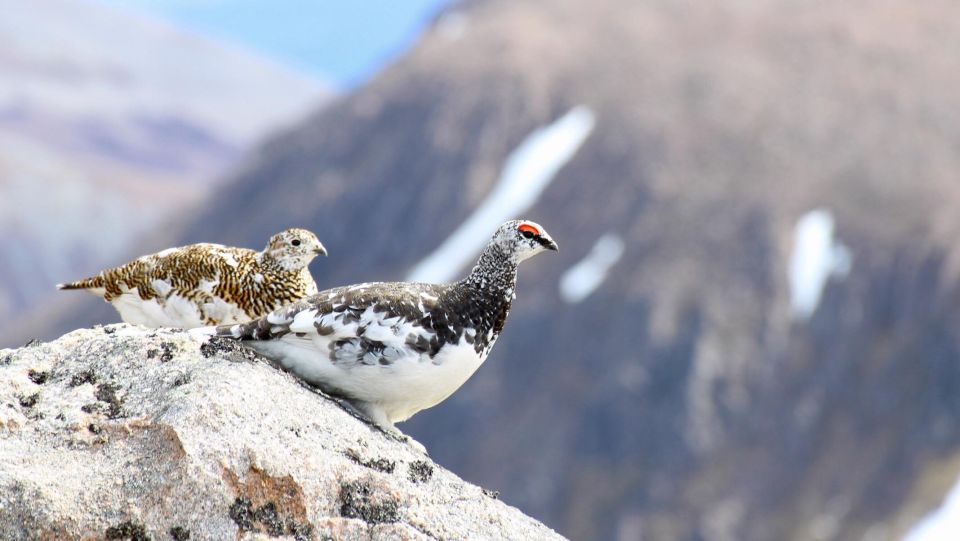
(207, 286)
(229, 259)
(174, 312)
(303, 321)
(161, 287)
(224, 312)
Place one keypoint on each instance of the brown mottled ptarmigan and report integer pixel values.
(209, 284)
(393, 349)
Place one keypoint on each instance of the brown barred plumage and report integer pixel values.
(209, 284)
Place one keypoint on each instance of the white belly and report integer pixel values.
(174, 311)
(401, 388)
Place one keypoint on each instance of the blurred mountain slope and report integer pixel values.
(108, 122)
(690, 395)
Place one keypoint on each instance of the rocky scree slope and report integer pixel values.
(125, 433)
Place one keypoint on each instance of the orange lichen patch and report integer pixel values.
(261, 488)
(272, 505)
(166, 437)
(140, 423)
(54, 533)
(10, 424)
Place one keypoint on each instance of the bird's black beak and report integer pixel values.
(548, 243)
(320, 251)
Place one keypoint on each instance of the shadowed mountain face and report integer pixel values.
(772, 355)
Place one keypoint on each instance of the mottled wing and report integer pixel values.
(370, 324)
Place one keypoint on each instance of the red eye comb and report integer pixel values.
(527, 227)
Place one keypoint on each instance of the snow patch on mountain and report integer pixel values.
(943, 524)
(589, 273)
(817, 256)
(526, 173)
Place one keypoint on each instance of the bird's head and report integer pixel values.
(294, 248)
(522, 239)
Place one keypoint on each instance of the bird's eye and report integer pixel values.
(295, 242)
(527, 234)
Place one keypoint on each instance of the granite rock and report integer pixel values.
(120, 432)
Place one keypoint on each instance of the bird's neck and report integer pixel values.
(490, 290)
(495, 274)
(268, 261)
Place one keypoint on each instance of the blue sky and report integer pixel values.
(342, 42)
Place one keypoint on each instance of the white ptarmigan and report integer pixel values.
(209, 284)
(393, 349)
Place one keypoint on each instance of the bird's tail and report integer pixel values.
(86, 283)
